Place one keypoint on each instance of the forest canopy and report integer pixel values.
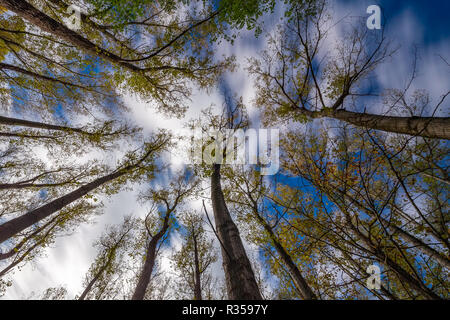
(135, 138)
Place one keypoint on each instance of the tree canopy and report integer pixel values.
(363, 176)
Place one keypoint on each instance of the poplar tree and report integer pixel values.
(193, 261)
(300, 78)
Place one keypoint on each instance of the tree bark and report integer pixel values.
(38, 125)
(197, 284)
(92, 282)
(48, 24)
(147, 270)
(16, 225)
(239, 276)
(300, 283)
(428, 127)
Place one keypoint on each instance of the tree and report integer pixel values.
(130, 167)
(194, 258)
(55, 293)
(357, 178)
(357, 190)
(48, 77)
(239, 276)
(32, 243)
(97, 134)
(248, 193)
(157, 226)
(159, 72)
(112, 247)
(296, 80)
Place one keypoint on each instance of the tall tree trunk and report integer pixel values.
(300, 283)
(150, 257)
(16, 225)
(48, 24)
(239, 276)
(147, 270)
(109, 260)
(100, 271)
(428, 127)
(39, 125)
(197, 284)
(92, 282)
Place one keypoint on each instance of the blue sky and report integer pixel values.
(433, 15)
(409, 24)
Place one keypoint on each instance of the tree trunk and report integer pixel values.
(109, 260)
(428, 127)
(300, 283)
(150, 257)
(16, 225)
(86, 19)
(39, 125)
(48, 24)
(239, 276)
(92, 282)
(197, 284)
(398, 269)
(147, 270)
